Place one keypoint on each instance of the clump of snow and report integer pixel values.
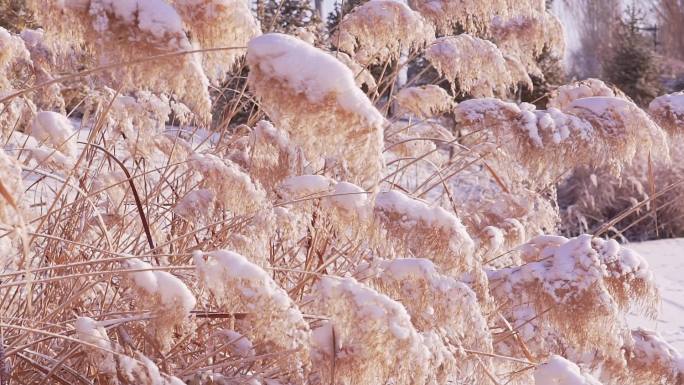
(563, 96)
(349, 199)
(413, 211)
(56, 130)
(304, 186)
(90, 331)
(240, 344)
(559, 371)
(172, 292)
(106, 356)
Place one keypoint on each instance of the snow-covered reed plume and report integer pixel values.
(590, 196)
(117, 31)
(140, 120)
(44, 64)
(218, 24)
(476, 65)
(652, 360)
(424, 101)
(15, 60)
(562, 97)
(597, 281)
(415, 228)
(668, 112)
(472, 15)
(594, 131)
(166, 296)
(272, 322)
(342, 211)
(13, 56)
(623, 127)
(359, 230)
(115, 366)
(502, 220)
(522, 30)
(527, 37)
(437, 304)
(272, 156)
(313, 97)
(381, 30)
(369, 337)
(232, 188)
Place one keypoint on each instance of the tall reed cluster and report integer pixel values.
(358, 225)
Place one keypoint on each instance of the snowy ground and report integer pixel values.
(666, 258)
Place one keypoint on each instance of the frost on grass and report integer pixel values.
(381, 30)
(272, 321)
(311, 95)
(369, 338)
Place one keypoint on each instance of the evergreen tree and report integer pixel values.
(287, 16)
(340, 10)
(633, 66)
(553, 75)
